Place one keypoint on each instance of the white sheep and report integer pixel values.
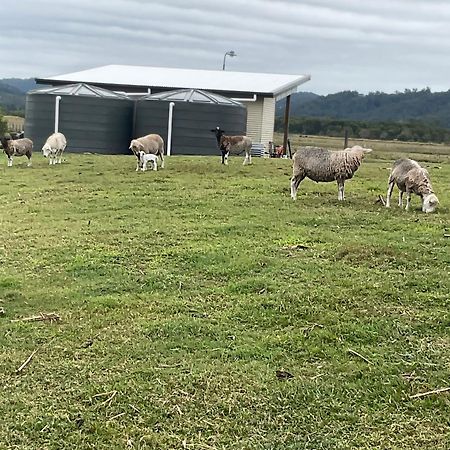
(409, 177)
(152, 143)
(319, 164)
(17, 147)
(144, 158)
(54, 148)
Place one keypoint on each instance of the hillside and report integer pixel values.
(423, 105)
(22, 84)
(11, 99)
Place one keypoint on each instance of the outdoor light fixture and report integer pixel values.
(229, 53)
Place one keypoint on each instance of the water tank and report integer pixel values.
(92, 119)
(195, 113)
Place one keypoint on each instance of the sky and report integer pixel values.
(367, 46)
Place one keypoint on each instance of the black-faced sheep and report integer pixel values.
(151, 143)
(54, 148)
(409, 177)
(234, 145)
(17, 147)
(319, 164)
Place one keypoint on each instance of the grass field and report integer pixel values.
(182, 292)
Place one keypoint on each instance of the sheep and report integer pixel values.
(152, 143)
(54, 148)
(409, 177)
(319, 164)
(234, 145)
(17, 147)
(144, 158)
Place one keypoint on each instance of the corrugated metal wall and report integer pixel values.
(268, 121)
(191, 124)
(261, 120)
(254, 119)
(90, 124)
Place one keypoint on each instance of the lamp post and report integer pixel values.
(229, 53)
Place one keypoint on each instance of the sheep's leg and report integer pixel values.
(341, 187)
(400, 199)
(389, 194)
(408, 200)
(29, 161)
(223, 156)
(295, 182)
(227, 154)
(144, 166)
(137, 165)
(59, 156)
(155, 165)
(10, 161)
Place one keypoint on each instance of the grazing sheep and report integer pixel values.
(17, 147)
(409, 177)
(54, 148)
(152, 143)
(319, 164)
(234, 145)
(144, 158)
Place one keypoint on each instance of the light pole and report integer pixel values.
(229, 53)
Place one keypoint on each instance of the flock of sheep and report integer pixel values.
(317, 164)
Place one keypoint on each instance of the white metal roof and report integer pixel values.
(279, 85)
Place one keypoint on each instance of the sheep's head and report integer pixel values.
(429, 203)
(218, 133)
(46, 150)
(358, 149)
(136, 147)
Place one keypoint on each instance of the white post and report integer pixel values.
(169, 129)
(57, 100)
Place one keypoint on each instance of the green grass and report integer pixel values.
(190, 289)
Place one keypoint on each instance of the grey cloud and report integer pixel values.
(343, 44)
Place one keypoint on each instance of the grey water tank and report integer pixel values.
(195, 113)
(92, 119)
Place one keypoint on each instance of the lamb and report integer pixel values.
(144, 158)
(17, 147)
(409, 177)
(234, 145)
(151, 143)
(319, 164)
(54, 148)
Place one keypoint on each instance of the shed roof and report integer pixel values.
(277, 85)
(80, 89)
(192, 96)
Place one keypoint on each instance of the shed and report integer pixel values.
(258, 91)
(92, 119)
(185, 117)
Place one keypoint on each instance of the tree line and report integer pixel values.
(412, 130)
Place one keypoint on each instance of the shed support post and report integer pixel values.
(169, 129)
(57, 100)
(286, 122)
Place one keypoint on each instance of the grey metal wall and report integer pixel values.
(191, 124)
(90, 124)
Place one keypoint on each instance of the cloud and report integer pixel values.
(343, 44)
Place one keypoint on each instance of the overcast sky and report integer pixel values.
(370, 45)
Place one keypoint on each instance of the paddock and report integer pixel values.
(164, 303)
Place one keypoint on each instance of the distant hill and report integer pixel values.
(22, 84)
(12, 100)
(423, 105)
